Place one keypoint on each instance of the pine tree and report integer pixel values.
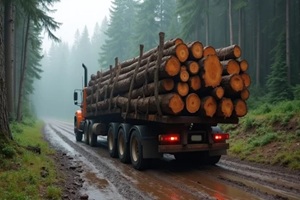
(277, 83)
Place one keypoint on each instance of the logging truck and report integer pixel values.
(168, 100)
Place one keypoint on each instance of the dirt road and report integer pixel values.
(102, 177)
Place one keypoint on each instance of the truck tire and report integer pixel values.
(86, 132)
(123, 147)
(78, 135)
(136, 152)
(112, 142)
(92, 136)
(214, 160)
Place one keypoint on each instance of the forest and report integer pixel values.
(42, 83)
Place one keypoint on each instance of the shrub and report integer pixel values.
(8, 151)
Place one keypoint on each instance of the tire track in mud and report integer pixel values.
(230, 179)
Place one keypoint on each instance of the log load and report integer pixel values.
(174, 79)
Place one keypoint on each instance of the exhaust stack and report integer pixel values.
(85, 75)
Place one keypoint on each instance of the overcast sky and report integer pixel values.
(75, 14)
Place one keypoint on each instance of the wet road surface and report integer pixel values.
(108, 178)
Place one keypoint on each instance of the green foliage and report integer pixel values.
(54, 192)
(277, 85)
(8, 151)
(296, 92)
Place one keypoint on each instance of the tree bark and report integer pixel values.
(288, 60)
(23, 71)
(5, 133)
(229, 52)
(9, 54)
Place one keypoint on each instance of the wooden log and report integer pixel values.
(184, 74)
(195, 50)
(193, 67)
(182, 89)
(243, 65)
(208, 50)
(246, 79)
(181, 52)
(245, 94)
(230, 52)
(232, 84)
(240, 108)
(230, 67)
(192, 103)
(211, 71)
(195, 83)
(169, 68)
(171, 104)
(218, 92)
(225, 107)
(208, 106)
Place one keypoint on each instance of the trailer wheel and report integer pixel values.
(92, 136)
(112, 143)
(214, 160)
(78, 135)
(123, 147)
(86, 132)
(136, 152)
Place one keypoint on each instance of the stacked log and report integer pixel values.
(174, 79)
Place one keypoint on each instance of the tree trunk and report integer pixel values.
(5, 134)
(230, 21)
(9, 54)
(230, 67)
(195, 50)
(23, 72)
(232, 84)
(230, 52)
(288, 60)
(257, 70)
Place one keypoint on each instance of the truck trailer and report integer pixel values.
(145, 112)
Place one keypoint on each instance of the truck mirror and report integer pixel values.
(75, 97)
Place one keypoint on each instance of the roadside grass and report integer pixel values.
(268, 134)
(24, 173)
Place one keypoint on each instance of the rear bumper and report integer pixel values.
(192, 147)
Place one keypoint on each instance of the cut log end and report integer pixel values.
(184, 74)
(212, 75)
(196, 50)
(208, 106)
(176, 104)
(225, 107)
(218, 92)
(246, 79)
(240, 108)
(232, 67)
(193, 67)
(244, 65)
(209, 50)
(182, 89)
(172, 66)
(230, 52)
(192, 103)
(195, 83)
(236, 83)
(182, 52)
(245, 94)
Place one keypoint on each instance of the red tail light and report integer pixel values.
(217, 137)
(169, 138)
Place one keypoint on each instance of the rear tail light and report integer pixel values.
(169, 139)
(219, 137)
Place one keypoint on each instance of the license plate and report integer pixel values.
(196, 138)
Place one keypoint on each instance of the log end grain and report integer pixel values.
(218, 92)
(233, 67)
(244, 65)
(184, 74)
(208, 106)
(172, 66)
(195, 83)
(196, 49)
(245, 94)
(193, 67)
(212, 75)
(168, 84)
(208, 50)
(176, 104)
(246, 79)
(182, 52)
(182, 89)
(192, 103)
(225, 107)
(240, 108)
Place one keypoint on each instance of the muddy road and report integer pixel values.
(104, 177)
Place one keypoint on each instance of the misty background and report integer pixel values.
(258, 27)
